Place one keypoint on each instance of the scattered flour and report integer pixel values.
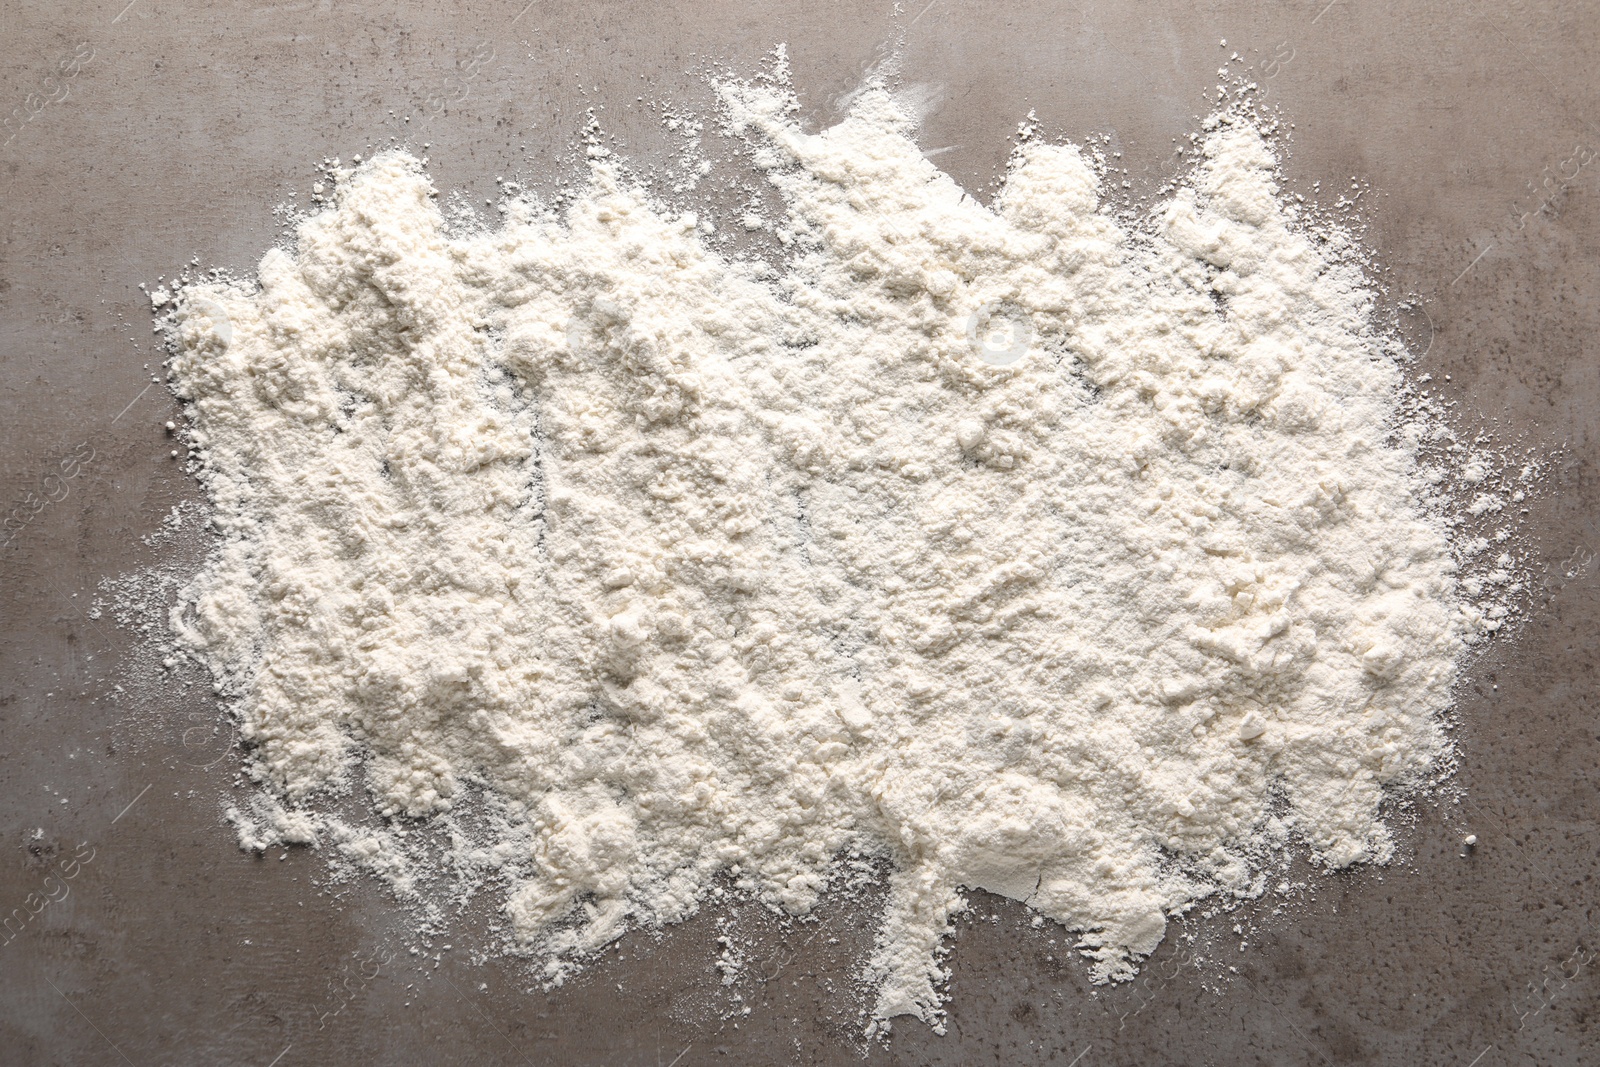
(1085, 561)
(269, 823)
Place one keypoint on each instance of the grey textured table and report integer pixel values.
(149, 134)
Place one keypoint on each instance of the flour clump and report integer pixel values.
(1026, 547)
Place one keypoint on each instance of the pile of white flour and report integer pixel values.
(1028, 548)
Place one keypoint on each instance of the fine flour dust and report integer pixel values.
(1084, 559)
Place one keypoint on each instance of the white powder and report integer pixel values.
(1034, 552)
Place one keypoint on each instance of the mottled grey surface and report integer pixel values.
(180, 125)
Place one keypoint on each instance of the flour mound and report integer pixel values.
(1034, 550)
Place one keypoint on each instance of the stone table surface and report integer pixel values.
(146, 135)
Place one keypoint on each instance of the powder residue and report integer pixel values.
(1078, 558)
